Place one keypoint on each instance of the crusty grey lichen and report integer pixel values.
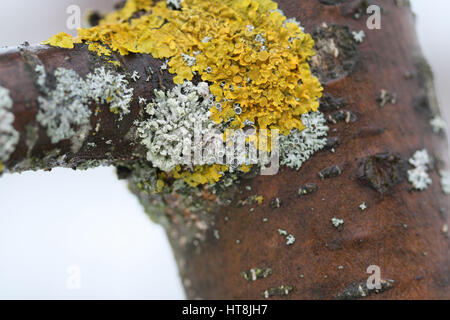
(169, 131)
(299, 146)
(109, 87)
(41, 77)
(445, 181)
(9, 137)
(65, 112)
(438, 125)
(65, 109)
(290, 239)
(419, 176)
(336, 222)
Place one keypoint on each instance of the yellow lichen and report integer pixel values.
(244, 168)
(1, 167)
(201, 174)
(62, 40)
(254, 59)
(114, 63)
(259, 199)
(97, 47)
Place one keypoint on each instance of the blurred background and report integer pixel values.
(82, 235)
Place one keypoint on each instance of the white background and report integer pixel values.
(55, 224)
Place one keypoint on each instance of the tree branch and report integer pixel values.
(318, 229)
(110, 139)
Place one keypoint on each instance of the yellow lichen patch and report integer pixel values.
(244, 168)
(62, 40)
(201, 174)
(100, 49)
(160, 184)
(247, 50)
(1, 167)
(253, 58)
(259, 199)
(114, 63)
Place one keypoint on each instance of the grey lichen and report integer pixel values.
(135, 76)
(418, 176)
(190, 60)
(9, 137)
(65, 112)
(359, 36)
(299, 146)
(445, 181)
(110, 88)
(336, 222)
(438, 125)
(363, 206)
(290, 239)
(41, 76)
(173, 118)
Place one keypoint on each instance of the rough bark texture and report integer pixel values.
(401, 231)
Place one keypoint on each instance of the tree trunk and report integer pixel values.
(401, 231)
(379, 100)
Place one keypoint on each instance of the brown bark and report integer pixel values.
(401, 231)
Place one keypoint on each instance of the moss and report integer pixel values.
(290, 239)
